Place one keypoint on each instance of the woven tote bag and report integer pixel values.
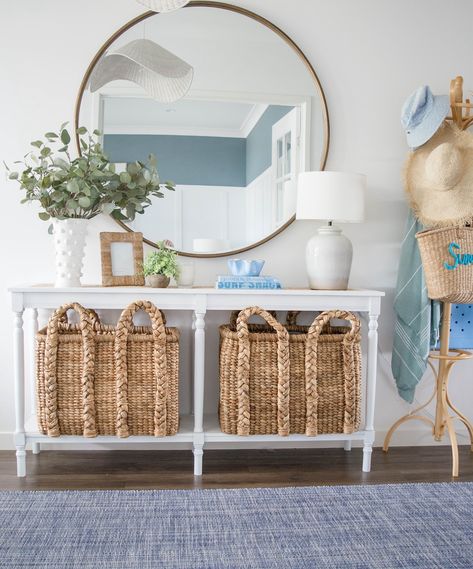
(447, 258)
(94, 379)
(277, 379)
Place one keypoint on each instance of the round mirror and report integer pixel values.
(230, 107)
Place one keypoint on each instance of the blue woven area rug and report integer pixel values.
(384, 527)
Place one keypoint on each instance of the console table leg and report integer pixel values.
(19, 376)
(198, 458)
(371, 385)
(347, 446)
(367, 451)
(32, 361)
(36, 448)
(199, 384)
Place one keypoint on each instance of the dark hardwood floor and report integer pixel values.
(71, 470)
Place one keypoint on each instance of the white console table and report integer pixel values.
(195, 429)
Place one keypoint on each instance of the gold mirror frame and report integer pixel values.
(264, 22)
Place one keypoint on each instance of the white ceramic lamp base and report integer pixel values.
(328, 257)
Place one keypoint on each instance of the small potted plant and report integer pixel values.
(72, 190)
(161, 265)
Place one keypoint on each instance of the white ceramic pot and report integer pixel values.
(69, 242)
(157, 281)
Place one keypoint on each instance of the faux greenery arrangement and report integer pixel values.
(162, 262)
(87, 185)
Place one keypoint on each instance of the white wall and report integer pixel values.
(369, 55)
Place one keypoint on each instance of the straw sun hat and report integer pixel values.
(439, 178)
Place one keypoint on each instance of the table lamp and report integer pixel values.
(330, 196)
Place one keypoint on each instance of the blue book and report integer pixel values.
(233, 279)
(248, 285)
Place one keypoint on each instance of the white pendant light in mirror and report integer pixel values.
(164, 76)
(163, 5)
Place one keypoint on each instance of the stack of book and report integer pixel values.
(254, 283)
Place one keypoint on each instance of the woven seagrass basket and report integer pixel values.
(94, 379)
(282, 380)
(447, 258)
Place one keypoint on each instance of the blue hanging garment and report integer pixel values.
(417, 317)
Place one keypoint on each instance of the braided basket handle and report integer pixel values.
(235, 313)
(323, 319)
(243, 373)
(125, 327)
(349, 339)
(93, 317)
(50, 371)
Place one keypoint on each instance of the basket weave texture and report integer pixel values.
(454, 285)
(283, 380)
(94, 379)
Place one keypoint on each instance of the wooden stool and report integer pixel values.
(443, 420)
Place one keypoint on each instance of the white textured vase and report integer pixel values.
(69, 241)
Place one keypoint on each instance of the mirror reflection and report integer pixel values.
(234, 144)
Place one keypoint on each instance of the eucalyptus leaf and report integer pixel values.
(133, 168)
(44, 216)
(61, 163)
(125, 178)
(117, 214)
(108, 208)
(65, 137)
(45, 151)
(72, 186)
(57, 196)
(84, 202)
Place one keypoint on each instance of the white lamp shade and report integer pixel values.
(164, 76)
(163, 5)
(331, 196)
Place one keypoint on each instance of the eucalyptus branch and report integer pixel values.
(87, 185)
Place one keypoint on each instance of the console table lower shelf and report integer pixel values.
(195, 430)
(211, 435)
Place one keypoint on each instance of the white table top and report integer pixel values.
(97, 289)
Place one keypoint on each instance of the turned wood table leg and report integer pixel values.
(19, 376)
(371, 386)
(199, 385)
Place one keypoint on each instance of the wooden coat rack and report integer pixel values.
(447, 358)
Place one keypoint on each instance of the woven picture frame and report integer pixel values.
(108, 278)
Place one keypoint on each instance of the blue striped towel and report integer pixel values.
(417, 317)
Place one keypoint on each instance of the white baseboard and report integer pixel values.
(408, 437)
